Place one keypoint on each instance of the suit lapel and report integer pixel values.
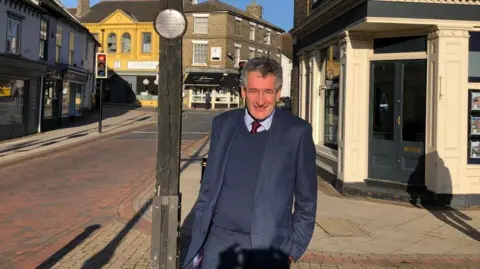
(229, 132)
(274, 138)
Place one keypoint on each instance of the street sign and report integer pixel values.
(101, 70)
(170, 24)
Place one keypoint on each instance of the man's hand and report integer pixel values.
(290, 260)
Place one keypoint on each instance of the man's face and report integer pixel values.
(260, 95)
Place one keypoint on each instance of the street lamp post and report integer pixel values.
(100, 101)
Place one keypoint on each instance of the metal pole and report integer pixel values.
(166, 208)
(100, 116)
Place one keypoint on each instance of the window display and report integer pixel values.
(474, 128)
(11, 101)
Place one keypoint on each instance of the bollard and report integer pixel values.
(204, 164)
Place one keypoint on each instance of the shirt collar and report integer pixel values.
(266, 123)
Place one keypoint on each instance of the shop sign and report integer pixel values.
(142, 65)
(76, 77)
(202, 79)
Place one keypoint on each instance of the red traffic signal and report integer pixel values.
(101, 70)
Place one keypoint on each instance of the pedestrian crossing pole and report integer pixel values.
(170, 24)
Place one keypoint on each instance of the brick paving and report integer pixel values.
(46, 203)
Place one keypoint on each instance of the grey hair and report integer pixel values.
(266, 66)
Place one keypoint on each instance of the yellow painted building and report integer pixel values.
(125, 30)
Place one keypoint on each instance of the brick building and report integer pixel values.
(218, 37)
(389, 88)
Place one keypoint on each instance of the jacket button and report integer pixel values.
(204, 233)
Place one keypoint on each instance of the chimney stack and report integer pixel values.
(83, 6)
(255, 9)
(187, 3)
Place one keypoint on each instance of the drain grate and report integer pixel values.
(341, 228)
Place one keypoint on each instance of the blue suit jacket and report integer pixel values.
(288, 171)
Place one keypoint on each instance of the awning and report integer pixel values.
(203, 79)
(230, 81)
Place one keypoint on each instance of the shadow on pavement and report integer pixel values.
(57, 256)
(440, 204)
(102, 257)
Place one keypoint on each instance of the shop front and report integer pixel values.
(19, 96)
(394, 103)
(211, 90)
(64, 94)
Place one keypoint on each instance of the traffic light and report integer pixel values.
(101, 70)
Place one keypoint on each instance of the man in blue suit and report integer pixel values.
(261, 165)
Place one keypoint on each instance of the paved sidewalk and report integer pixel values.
(116, 120)
(350, 233)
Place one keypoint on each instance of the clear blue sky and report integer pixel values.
(278, 12)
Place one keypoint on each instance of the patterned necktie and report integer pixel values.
(255, 126)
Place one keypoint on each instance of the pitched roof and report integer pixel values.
(142, 10)
(215, 5)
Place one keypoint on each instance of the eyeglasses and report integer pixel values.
(256, 92)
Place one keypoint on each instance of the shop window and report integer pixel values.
(332, 93)
(49, 98)
(474, 57)
(65, 99)
(200, 25)
(78, 99)
(11, 101)
(112, 43)
(43, 39)
(14, 30)
(200, 54)
(126, 43)
(146, 42)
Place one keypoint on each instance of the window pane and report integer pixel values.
(200, 25)
(474, 57)
(49, 96)
(11, 101)
(65, 98)
(383, 101)
(200, 53)
(237, 27)
(112, 43)
(126, 43)
(414, 90)
(58, 37)
(147, 42)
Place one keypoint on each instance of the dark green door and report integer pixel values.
(397, 121)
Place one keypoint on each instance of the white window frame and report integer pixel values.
(250, 32)
(237, 56)
(267, 36)
(195, 44)
(250, 50)
(238, 26)
(200, 29)
(17, 47)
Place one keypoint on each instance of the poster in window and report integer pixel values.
(475, 149)
(476, 101)
(475, 125)
(216, 53)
